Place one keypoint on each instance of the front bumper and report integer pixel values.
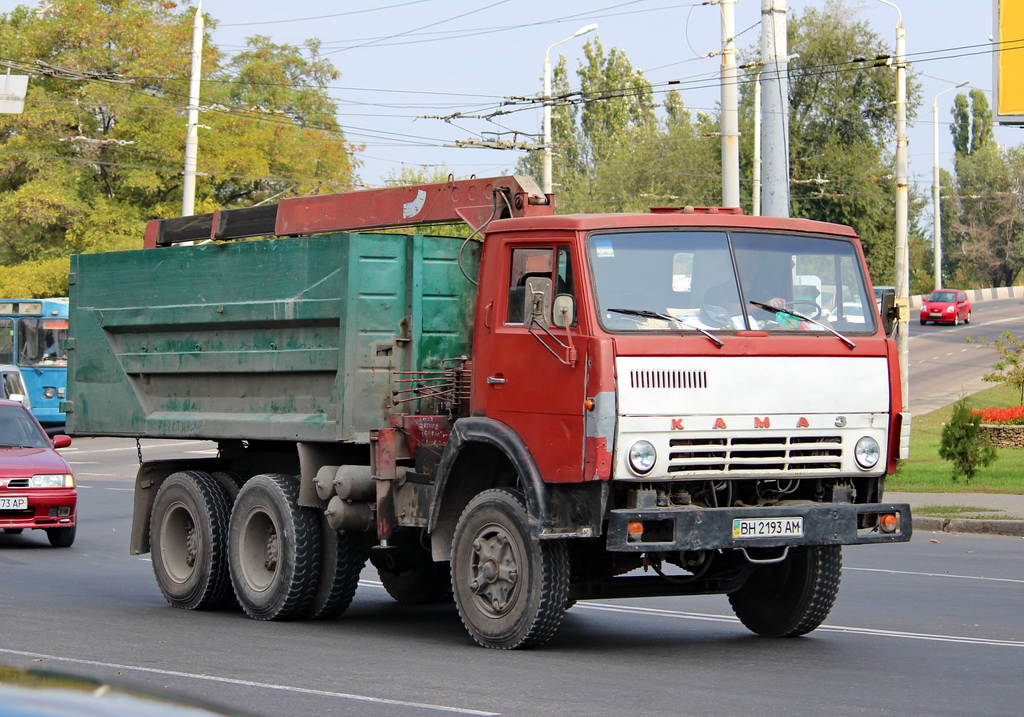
(47, 508)
(696, 528)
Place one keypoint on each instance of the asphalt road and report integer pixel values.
(928, 627)
(943, 366)
(931, 627)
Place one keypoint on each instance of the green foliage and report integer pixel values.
(612, 152)
(971, 128)
(93, 157)
(1009, 368)
(964, 444)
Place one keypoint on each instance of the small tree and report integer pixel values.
(1009, 369)
(965, 444)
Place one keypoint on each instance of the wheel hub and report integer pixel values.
(495, 571)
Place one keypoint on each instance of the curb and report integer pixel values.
(1011, 528)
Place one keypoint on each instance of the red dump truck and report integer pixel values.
(556, 408)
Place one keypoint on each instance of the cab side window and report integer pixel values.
(529, 270)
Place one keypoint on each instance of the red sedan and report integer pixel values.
(37, 488)
(950, 306)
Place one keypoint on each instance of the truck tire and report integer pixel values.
(342, 556)
(420, 581)
(793, 597)
(188, 533)
(511, 590)
(61, 537)
(273, 549)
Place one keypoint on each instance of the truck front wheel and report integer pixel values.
(511, 590)
(188, 533)
(273, 549)
(792, 597)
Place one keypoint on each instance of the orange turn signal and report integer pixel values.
(635, 529)
(888, 522)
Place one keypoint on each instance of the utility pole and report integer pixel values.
(775, 124)
(546, 170)
(730, 122)
(755, 194)
(188, 185)
(902, 209)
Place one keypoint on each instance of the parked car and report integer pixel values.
(37, 487)
(12, 385)
(950, 306)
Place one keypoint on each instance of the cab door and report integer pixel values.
(533, 372)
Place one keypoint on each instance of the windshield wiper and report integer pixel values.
(797, 314)
(648, 314)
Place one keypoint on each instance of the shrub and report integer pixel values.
(964, 444)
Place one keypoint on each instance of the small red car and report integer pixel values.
(37, 487)
(950, 306)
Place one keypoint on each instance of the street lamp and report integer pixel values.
(936, 188)
(547, 103)
(902, 208)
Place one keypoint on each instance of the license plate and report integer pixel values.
(767, 527)
(14, 503)
(936, 314)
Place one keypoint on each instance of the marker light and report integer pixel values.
(888, 522)
(635, 530)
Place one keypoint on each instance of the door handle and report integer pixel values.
(494, 379)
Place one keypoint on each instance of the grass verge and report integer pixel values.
(925, 472)
(969, 512)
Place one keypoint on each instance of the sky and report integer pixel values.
(404, 63)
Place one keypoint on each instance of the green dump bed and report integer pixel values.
(286, 339)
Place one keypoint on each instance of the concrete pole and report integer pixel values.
(937, 189)
(730, 120)
(756, 192)
(775, 124)
(546, 178)
(188, 186)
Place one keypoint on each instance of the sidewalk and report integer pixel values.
(1008, 521)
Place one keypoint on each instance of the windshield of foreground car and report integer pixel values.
(18, 430)
(707, 279)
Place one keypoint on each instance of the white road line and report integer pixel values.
(677, 615)
(934, 575)
(251, 683)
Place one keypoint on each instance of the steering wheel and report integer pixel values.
(812, 310)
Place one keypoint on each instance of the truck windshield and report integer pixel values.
(707, 279)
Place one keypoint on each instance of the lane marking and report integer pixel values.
(704, 617)
(252, 683)
(934, 575)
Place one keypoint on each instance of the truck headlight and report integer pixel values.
(642, 457)
(867, 452)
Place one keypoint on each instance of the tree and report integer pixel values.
(100, 146)
(1009, 368)
(964, 444)
(612, 152)
(987, 241)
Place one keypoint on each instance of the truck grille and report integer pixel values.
(668, 379)
(755, 453)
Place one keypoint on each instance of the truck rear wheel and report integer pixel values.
(511, 590)
(792, 597)
(188, 533)
(342, 556)
(273, 549)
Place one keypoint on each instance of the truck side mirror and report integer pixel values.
(563, 311)
(538, 301)
(888, 311)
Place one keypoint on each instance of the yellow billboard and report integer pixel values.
(1009, 61)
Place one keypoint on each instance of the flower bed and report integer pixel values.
(1003, 426)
